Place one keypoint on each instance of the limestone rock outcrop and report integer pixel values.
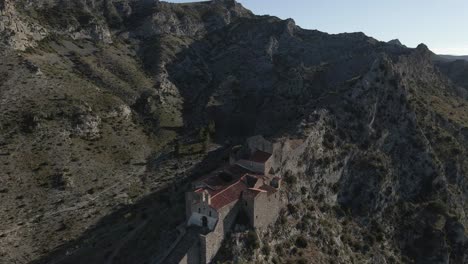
(109, 109)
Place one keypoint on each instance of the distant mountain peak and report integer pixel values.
(396, 42)
(422, 46)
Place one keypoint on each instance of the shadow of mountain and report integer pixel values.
(264, 75)
(137, 233)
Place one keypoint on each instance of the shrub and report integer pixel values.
(438, 207)
(276, 260)
(365, 248)
(252, 240)
(301, 225)
(329, 138)
(301, 242)
(379, 237)
(283, 220)
(456, 151)
(279, 250)
(290, 180)
(339, 211)
(266, 249)
(292, 209)
(336, 186)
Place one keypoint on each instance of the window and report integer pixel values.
(199, 210)
(209, 214)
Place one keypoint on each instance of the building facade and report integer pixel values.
(244, 187)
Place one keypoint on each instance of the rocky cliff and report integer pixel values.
(109, 108)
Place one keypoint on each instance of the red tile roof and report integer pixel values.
(228, 195)
(252, 192)
(257, 190)
(250, 180)
(269, 189)
(219, 180)
(260, 156)
(226, 186)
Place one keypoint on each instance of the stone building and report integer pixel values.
(242, 193)
(256, 156)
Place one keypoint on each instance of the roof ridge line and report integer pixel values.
(236, 182)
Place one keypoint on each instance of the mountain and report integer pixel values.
(457, 72)
(452, 57)
(107, 106)
(396, 42)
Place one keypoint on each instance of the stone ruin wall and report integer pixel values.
(266, 209)
(210, 243)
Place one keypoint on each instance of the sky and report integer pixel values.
(440, 24)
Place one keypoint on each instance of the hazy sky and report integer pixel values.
(440, 24)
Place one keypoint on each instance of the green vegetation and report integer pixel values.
(266, 249)
(252, 241)
(290, 179)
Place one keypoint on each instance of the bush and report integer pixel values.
(292, 209)
(329, 140)
(266, 249)
(252, 240)
(339, 211)
(290, 180)
(283, 220)
(301, 242)
(438, 207)
(279, 250)
(301, 225)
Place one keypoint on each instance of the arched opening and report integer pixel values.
(204, 221)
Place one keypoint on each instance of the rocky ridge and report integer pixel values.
(112, 98)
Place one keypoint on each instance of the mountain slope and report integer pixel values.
(97, 107)
(457, 72)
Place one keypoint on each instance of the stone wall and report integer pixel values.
(268, 166)
(252, 166)
(259, 143)
(197, 220)
(286, 154)
(210, 243)
(189, 197)
(266, 209)
(248, 205)
(197, 206)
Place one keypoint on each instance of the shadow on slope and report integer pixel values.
(137, 233)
